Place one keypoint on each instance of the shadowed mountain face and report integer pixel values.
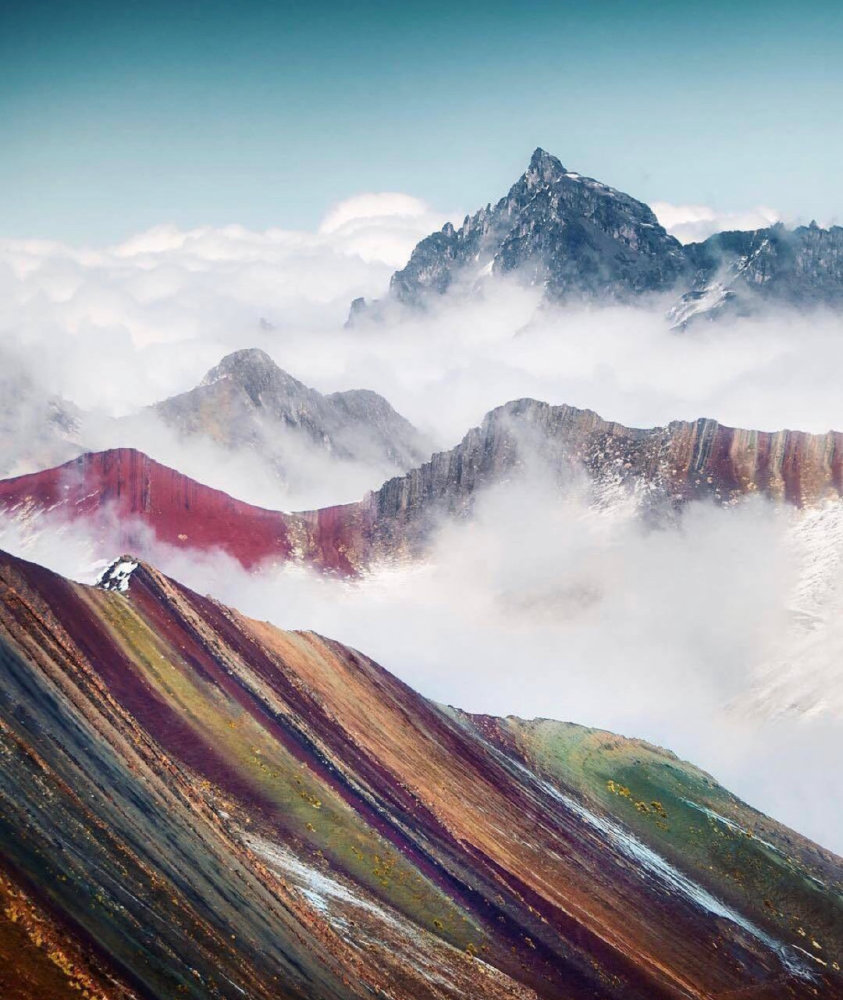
(580, 239)
(739, 272)
(196, 804)
(555, 228)
(130, 501)
(247, 401)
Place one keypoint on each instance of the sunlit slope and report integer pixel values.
(207, 806)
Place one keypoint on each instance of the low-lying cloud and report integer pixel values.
(694, 636)
(695, 223)
(549, 604)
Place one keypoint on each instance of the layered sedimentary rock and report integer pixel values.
(667, 466)
(124, 499)
(196, 804)
(130, 501)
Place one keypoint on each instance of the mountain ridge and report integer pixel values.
(580, 239)
(249, 401)
(211, 806)
(665, 466)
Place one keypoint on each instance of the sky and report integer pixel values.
(119, 116)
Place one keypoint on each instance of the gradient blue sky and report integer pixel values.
(116, 115)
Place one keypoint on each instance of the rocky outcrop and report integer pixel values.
(247, 401)
(577, 238)
(571, 234)
(741, 272)
(200, 805)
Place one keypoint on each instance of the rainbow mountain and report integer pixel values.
(196, 804)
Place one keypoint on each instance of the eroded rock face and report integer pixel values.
(668, 466)
(202, 805)
(124, 495)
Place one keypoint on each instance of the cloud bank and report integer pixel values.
(694, 223)
(542, 606)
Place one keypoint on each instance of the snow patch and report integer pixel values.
(117, 575)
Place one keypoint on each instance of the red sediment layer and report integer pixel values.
(121, 493)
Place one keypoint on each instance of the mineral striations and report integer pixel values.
(130, 501)
(194, 804)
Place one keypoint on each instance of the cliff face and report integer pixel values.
(123, 494)
(196, 804)
(668, 466)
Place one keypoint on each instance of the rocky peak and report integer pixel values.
(543, 169)
(255, 371)
(575, 236)
(578, 238)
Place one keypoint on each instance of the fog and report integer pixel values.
(716, 636)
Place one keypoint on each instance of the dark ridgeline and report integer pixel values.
(580, 239)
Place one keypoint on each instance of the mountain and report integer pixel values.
(126, 500)
(247, 401)
(194, 804)
(740, 272)
(580, 239)
(571, 234)
(123, 495)
(665, 467)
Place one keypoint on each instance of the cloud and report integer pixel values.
(541, 606)
(694, 223)
(564, 605)
(381, 227)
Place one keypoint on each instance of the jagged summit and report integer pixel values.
(545, 165)
(580, 239)
(573, 235)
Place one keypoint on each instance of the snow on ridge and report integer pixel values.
(116, 576)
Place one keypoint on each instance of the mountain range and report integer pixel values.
(194, 804)
(127, 500)
(247, 413)
(579, 239)
(248, 401)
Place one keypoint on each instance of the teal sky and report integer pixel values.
(118, 115)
